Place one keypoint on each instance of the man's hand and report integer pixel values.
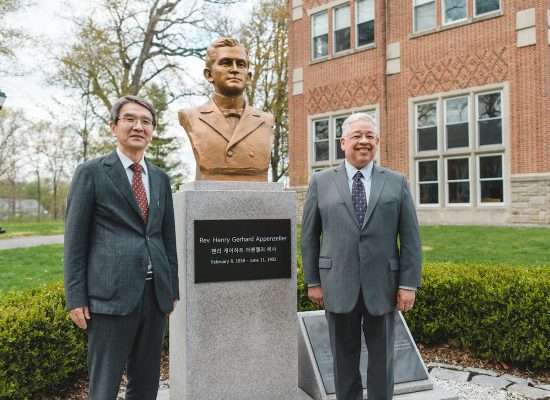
(405, 299)
(174, 302)
(79, 316)
(315, 294)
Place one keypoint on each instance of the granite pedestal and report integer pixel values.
(233, 339)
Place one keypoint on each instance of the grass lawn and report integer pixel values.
(28, 267)
(486, 244)
(31, 228)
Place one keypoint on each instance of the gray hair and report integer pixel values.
(117, 106)
(222, 42)
(359, 117)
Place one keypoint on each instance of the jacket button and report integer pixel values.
(251, 154)
(230, 153)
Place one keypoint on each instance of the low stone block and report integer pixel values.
(517, 379)
(490, 381)
(481, 371)
(446, 366)
(450, 375)
(543, 387)
(529, 392)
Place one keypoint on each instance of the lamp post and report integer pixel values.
(2, 98)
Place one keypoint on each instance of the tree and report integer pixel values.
(12, 127)
(11, 38)
(265, 36)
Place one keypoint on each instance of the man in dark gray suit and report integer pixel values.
(362, 259)
(121, 277)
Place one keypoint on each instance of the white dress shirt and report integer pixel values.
(127, 163)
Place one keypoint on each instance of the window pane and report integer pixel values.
(490, 167)
(485, 6)
(427, 171)
(427, 139)
(341, 40)
(459, 192)
(429, 193)
(456, 110)
(489, 106)
(320, 46)
(492, 192)
(321, 151)
(365, 33)
(424, 16)
(338, 132)
(490, 132)
(455, 10)
(341, 17)
(320, 24)
(321, 130)
(457, 168)
(365, 10)
(427, 114)
(457, 135)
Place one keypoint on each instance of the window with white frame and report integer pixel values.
(365, 22)
(342, 30)
(424, 15)
(472, 158)
(453, 11)
(319, 34)
(486, 6)
(326, 134)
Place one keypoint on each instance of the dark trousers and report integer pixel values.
(133, 341)
(345, 342)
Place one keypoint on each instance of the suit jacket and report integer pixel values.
(225, 155)
(108, 244)
(349, 256)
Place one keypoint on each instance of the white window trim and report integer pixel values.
(479, 180)
(312, 44)
(477, 136)
(334, 29)
(428, 205)
(456, 21)
(415, 30)
(357, 31)
(469, 120)
(425, 152)
(470, 178)
(487, 13)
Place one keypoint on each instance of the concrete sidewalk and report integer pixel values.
(29, 241)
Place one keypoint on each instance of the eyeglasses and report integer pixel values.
(145, 122)
(356, 137)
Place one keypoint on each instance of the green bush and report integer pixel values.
(40, 347)
(495, 311)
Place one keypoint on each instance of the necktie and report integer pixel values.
(358, 197)
(139, 191)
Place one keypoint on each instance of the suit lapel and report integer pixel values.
(249, 122)
(212, 116)
(377, 184)
(115, 171)
(341, 181)
(154, 191)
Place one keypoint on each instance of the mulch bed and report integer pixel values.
(444, 354)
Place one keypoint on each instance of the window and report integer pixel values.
(428, 192)
(320, 34)
(342, 38)
(468, 168)
(456, 122)
(365, 22)
(458, 180)
(491, 184)
(326, 132)
(426, 122)
(489, 119)
(424, 15)
(454, 10)
(486, 6)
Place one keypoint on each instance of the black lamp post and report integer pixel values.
(2, 98)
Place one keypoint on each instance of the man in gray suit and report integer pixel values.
(362, 259)
(121, 277)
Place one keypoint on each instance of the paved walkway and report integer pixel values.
(29, 241)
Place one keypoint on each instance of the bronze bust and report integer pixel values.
(231, 140)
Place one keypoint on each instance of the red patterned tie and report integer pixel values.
(139, 191)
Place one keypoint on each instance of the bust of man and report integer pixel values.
(231, 140)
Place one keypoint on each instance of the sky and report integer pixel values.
(49, 20)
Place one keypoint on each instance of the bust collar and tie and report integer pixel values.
(231, 108)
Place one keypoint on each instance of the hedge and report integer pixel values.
(499, 312)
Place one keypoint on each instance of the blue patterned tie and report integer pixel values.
(358, 197)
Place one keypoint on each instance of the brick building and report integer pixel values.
(461, 90)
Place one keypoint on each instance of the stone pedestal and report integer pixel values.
(233, 339)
